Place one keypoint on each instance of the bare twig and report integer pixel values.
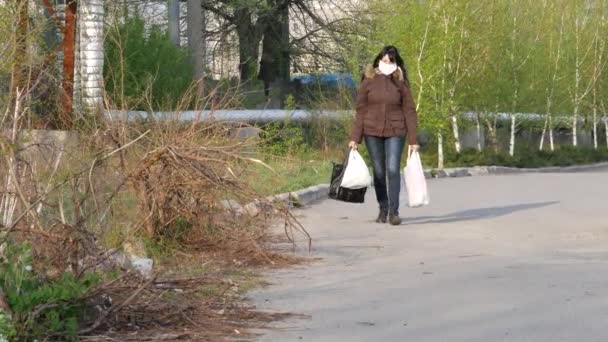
(116, 307)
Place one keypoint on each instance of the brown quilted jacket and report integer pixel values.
(385, 108)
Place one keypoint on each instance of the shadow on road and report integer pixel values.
(476, 214)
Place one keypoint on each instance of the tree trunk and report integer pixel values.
(493, 138)
(457, 145)
(196, 41)
(478, 124)
(276, 58)
(606, 129)
(285, 61)
(512, 139)
(595, 143)
(440, 159)
(551, 142)
(173, 8)
(18, 74)
(8, 199)
(50, 32)
(69, 56)
(542, 136)
(92, 54)
(249, 43)
(575, 127)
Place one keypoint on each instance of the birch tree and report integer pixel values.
(490, 85)
(554, 57)
(459, 58)
(599, 64)
(581, 56)
(605, 119)
(519, 51)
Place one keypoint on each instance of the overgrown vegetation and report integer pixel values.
(543, 57)
(62, 197)
(42, 306)
(528, 158)
(143, 69)
(79, 208)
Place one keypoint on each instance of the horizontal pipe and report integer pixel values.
(273, 115)
(245, 116)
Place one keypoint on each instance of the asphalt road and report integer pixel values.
(497, 258)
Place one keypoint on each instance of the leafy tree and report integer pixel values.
(145, 70)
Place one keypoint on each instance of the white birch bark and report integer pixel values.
(551, 92)
(551, 142)
(542, 136)
(606, 129)
(440, 159)
(9, 199)
(512, 139)
(595, 142)
(457, 144)
(598, 68)
(478, 124)
(580, 91)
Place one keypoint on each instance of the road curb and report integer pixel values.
(309, 195)
(299, 198)
(503, 170)
(315, 193)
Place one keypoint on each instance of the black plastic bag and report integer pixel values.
(343, 194)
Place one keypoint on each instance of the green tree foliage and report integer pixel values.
(510, 56)
(144, 69)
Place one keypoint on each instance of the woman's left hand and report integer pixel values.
(414, 148)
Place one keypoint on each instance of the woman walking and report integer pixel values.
(386, 113)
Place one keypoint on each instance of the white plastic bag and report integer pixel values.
(415, 182)
(356, 175)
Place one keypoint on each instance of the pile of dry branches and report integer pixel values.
(63, 196)
(170, 310)
(187, 177)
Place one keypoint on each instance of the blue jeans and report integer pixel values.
(386, 159)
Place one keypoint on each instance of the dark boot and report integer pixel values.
(394, 219)
(382, 216)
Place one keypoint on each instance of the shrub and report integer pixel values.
(143, 65)
(282, 138)
(524, 158)
(42, 308)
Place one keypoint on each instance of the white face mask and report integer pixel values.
(386, 68)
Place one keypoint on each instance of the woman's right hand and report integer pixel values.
(352, 145)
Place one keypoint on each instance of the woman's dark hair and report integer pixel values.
(395, 57)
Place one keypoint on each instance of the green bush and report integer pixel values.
(142, 64)
(524, 158)
(282, 138)
(42, 308)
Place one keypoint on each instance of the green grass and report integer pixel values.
(289, 174)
